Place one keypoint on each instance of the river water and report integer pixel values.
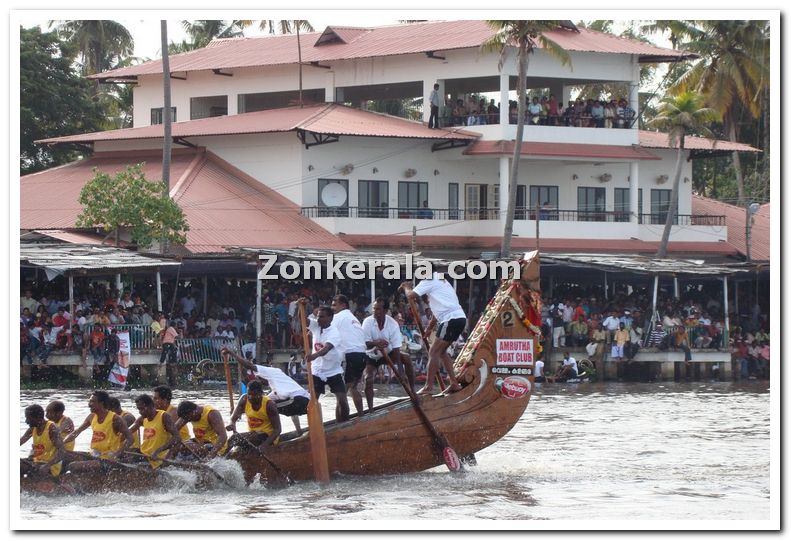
(599, 451)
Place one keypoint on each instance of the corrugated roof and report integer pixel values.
(223, 205)
(326, 119)
(532, 148)
(735, 219)
(642, 264)
(74, 237)
(377, 42)
(59, 258)
(653, 139)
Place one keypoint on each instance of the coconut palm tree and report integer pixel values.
(102, 44)
(525, 36)
(285, 27)
(679, 116)
(203, 31)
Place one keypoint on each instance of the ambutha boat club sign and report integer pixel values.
(514, 352)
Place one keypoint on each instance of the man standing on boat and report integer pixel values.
(289, 396)
(207, 425)
(326, 359)
(263, 420)
(352, 347)
(382, 332)
(111, 436)
(47, 453)
(159, 430)
(450, 320)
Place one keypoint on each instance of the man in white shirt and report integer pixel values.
(569, 368)
(289, 396)
(611, 324)
(383, 332)
(539, 371)
(450, 320)
(352, 347)
(326, 369)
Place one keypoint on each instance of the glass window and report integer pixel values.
(545, 197)
(333, 201)
(521, 203)
(412, 196)
(621, 206)
(373, 198)
(660, 204)
(156, 115)
(591, 204)
(208, 106)
(453, 201)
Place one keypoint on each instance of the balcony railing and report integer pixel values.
(520, 213)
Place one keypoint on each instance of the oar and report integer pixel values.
(318, 442)
(186, 466)
(440, 441)
(423, 338)
(262, 455)
(228, 383)
(89, 456)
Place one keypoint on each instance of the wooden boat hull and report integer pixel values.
(132, 479)
(393, 440)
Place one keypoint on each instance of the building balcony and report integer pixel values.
(485, 222)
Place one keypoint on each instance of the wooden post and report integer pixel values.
(159, 291)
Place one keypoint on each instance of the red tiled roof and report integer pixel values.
(551, 245)
(223, 206)
(736, 221)
(330, 119)
(653, 139)
(377, 42)
(530, 148)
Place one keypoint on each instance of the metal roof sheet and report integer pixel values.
(59, 258)
(760, 246)
(654, 139)
(376, 42)
(644, 264)
(573, 150)
(329, 119)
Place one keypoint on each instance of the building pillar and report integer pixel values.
(329, 87)
(727, 329)
(505, 174)
(504, 89)
(676, 292)
(71, 300)
(205, 294)
(233, 104)
(634, 89)
(634, 191)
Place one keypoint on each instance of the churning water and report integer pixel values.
(606, 451)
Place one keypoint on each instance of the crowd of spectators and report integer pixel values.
(543, 111)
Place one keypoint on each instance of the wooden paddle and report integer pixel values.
(318, 442)
(423, 338)
(277, 469)
(440, 441)
(228, 383)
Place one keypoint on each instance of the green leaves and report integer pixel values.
(127, 200)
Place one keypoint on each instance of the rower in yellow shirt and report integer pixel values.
(129, 419)
(207, 425)
(263, 419)
(159, 430)
(55, 413)
(47, 453)
(111, 436)
(162, 398)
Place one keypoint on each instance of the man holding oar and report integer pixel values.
(47, 453)
(289, 396)
(208, 427)
(326, 359)
(55, 413)
(159, 430)
(111, 436)
(162, 398)
(450, 319)
(263, 421)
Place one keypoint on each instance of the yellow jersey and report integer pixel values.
(44, 449)
(105, 440)
(204, 433)
(257, 419)
(184, 432)
(154, 436)
(68, 446)
(135, 434)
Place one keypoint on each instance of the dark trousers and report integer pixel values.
(433, 119)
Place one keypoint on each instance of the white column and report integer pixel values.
(233, 104)
(566, 97)
(159, 292)
(656, 290)
(725, 311)
(71, 299)
(505, 173)
(329, 87)
(119, 285)
(606, 289)
(634, 187)
(634, 88)
(373, 290)
(504, 78)
(675, 288)
(428, 86)
(258, 291)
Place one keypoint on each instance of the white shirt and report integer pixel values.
(611, 323)
(391, 332)
(571, 361)
(350, 331)
(330, 364)
(442, 299)
(249, 347)
(282, 386)
(539, 369)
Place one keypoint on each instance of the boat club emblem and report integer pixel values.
(514, 352)
(513, 387)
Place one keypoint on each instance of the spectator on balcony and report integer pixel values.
(493, 113)
(513, 111)
(434, 101)
(459, 113)
(609, 113)
(611, 324)
(425, 212)
(597, 114)
(681, 341)
(126, 301)
(29, 302)
(553, 111)
(570, 114)
(534, 112)
(482, 110)
(472, 111)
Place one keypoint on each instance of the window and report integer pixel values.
(156, 115)
(411, 197)
(261, 101)
(208, 106)
(622, 210)
(333, 201)
(591, 204)
(372, 198)
(453, 201)
(545, 197)
(521, 203)
(660, 204)
(481, 201)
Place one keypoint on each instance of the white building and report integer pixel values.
(370, 178)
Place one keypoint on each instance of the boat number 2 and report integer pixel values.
(508, 319)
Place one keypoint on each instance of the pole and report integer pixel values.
(414, 239)
(656, 290)
(725, 311)
(675, 287)
(736, 296)
(538, 223)
(373, 291)
(258, 292)
(606, 288)
(118, 285)
(71, 299)
(159, 291)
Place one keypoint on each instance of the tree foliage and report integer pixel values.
(103, 45)
(54, 100)
(128, 201)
